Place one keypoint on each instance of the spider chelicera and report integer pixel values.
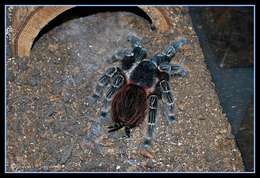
(136, 85)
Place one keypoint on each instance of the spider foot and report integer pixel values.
(134, 40)
(93, 145)
(182, 73)
(147, 143)
(103, 114)
(171, 119)
(121, 55)
(179, 43)
(178, 70)
(174, 46)
(87, 144)
(92, 99)
(94, 132)
(93, 139)
(127, 132)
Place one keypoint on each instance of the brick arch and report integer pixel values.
(32, 20)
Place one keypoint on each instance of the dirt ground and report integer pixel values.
(49, 116)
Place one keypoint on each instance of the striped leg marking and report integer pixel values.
(171, 50)
(168, 101)
(117, 82)
(125, 54)
(153, 103)
(138, 51)
(173, 69)
(102, 83)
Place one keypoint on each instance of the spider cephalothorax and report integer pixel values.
(137, 84)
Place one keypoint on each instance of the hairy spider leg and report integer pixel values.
(134, 40)
(171, 50)
(166, 55)
(153, 104)
(173, 69)
(127, 131)
(138, 51)
(102, 83)
(168, 101)
(127, 57)
(117, 82)
(123, 54)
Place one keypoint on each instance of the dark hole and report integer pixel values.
(78, 12)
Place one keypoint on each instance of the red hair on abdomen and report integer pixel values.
(129, 105)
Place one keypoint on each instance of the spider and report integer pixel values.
(136, 85)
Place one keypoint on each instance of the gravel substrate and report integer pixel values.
(49, 115)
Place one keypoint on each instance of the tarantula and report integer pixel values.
(136, 85)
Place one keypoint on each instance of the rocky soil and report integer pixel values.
(49, 115)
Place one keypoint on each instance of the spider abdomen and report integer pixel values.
(129, 105)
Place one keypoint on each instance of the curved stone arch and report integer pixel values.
(31, 27)
(38, 18)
